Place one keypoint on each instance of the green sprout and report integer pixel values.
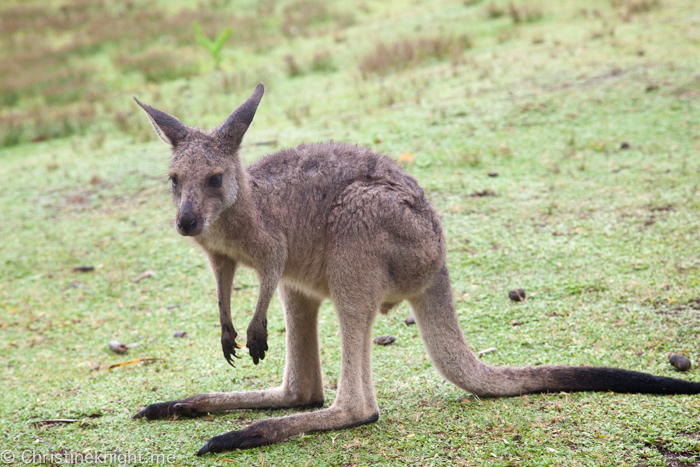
(213, 46)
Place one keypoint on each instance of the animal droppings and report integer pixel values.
(517, 295)
(384, 340)
(680, 362)
(117, 347)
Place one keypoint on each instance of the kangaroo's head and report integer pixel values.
(205, 171)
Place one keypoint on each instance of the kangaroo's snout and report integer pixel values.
(187, 223)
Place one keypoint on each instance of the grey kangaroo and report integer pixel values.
(334, 221)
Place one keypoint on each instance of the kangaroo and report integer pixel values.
(336, 221)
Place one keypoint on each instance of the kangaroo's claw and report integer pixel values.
(229, 345)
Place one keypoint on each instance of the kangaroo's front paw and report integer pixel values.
(262, 433)
(229, 345)
(168, 410)
(257, 340)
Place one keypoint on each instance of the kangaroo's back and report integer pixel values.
(333, 202)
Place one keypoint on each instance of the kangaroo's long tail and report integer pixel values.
(439, 328)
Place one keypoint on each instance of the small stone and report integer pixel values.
(117, 347)
(680, 362)
(180, 334)
(384, 340)
(517, 295)
(410, 320)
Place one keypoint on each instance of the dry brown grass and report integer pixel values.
(494, 10)
(629, 8)
(525, 12)
(323, 62)
(39, 124)
(51, 77)
(293, 68)
(409, 52)
(158, 65)
(301, 16)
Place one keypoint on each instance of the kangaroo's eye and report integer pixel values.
(173, 180)
(215, 181)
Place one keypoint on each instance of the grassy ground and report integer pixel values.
(589, 116)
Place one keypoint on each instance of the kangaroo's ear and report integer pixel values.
(238, 122)
(170, 129)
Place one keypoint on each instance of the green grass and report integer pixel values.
(606, 241)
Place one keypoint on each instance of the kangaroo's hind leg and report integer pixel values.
(302, 385)
(355, 403)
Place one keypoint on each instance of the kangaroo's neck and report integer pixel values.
(239, 232)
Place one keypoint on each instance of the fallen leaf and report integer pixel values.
(142, 276)
(133, 362)
(406, 158)
(410, 435)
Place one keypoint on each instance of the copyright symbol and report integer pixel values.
(7, 457)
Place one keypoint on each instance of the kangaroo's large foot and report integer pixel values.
(168, 410)
(257, 434)
(274, 430)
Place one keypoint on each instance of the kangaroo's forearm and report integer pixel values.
(224, 269)
(257, 329)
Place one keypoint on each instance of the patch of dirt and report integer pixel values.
(648, 216)
(683, 314)
(615, 72)
(663, 208)
(483, 193)
(673, 459)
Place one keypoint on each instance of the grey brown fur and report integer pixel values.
(331, 221)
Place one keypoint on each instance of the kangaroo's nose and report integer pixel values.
(187, 224)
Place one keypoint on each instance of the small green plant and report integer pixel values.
(213, 46)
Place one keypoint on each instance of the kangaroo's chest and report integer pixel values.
(216, 243)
